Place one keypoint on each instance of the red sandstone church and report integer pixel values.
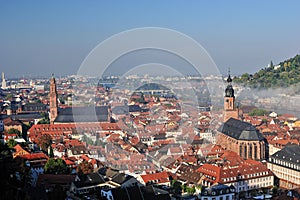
(236, 135)
(88, 114)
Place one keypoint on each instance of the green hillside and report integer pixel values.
(284, 74)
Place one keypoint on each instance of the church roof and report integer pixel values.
(83, 114)
(240, 130)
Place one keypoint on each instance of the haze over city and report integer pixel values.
(41, 38)
(164, 100)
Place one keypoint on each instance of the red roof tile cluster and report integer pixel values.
(160, 177)
(248, 170)
(34, 156)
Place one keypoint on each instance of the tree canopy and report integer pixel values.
(14, 131)
(258, 112)
(11, 143)
(56, 166)
(284, 74)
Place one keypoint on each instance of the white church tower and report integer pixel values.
(3, 87)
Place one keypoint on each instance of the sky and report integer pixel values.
(38, 38)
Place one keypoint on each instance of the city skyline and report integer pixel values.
(38, 39)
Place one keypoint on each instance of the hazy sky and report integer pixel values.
(41, 37)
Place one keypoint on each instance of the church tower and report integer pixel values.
(230, 110)
(53, 100)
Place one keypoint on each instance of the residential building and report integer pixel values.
(285, 164)
(218, 192)
(244, 177)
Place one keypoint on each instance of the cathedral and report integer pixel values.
(87, 114)
(236, 135)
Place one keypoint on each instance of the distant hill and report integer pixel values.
(284, 74)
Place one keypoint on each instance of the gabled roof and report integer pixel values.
(240, 130)
(160, 177)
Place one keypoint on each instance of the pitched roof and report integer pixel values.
(160, 177)
(18, 148)
(240, 130)
(83, 114)
(89, 179)
(34, 156)
(53, 179)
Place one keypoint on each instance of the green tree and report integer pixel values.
(177, 187)
(11, 143)
(271, 64)
(51, 154)
(258, 112)
(264, 121)
(14, 131)
(8, 96)
(45, 119)
(56, 166)
(191, 190)
(25, 128)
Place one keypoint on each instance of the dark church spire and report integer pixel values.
(229, 92)
(229, 79)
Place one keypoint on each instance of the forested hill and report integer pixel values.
(284, 74)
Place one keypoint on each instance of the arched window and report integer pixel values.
(250, 151)
(255, 152)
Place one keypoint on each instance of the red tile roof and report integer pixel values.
(160, 177)
(34, 156)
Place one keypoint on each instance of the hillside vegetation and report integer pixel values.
(284, 74)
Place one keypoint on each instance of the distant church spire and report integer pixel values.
(3, 86)
(53, 100)
(230, 110)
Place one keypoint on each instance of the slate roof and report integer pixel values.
(121, 178)
(216, 190)
(23, 116)
(290, 153)
(240, 130)
(120, 110)
(138, 193)
(134, 108)
(89, 180)
(83, 114)
(34, 107)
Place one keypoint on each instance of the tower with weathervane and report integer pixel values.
(53, 100)
(230, 110)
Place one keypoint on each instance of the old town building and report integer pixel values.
(285, 164)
